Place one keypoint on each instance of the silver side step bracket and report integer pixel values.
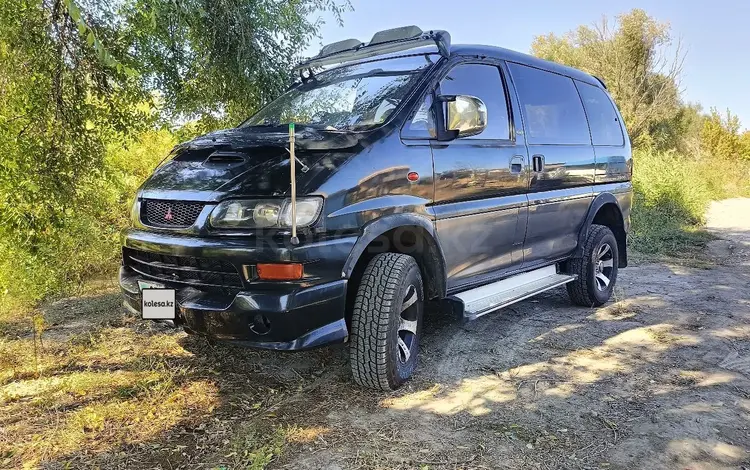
(488, 298)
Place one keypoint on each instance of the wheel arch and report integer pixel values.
(409, 234)
(605, 210)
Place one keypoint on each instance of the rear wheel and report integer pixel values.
(596, 269)
(386, 322)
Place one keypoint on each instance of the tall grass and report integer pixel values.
(672, 193)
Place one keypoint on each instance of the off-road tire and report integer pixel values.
(376, 357)
(584, 291)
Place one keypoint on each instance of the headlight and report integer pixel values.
(265, 213)
(307, 212)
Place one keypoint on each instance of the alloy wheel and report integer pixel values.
(407, 327)
(604, 266)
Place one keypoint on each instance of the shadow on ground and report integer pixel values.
(657, 379)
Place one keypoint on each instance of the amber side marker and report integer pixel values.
(279, 272)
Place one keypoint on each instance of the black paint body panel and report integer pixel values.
(480, 202)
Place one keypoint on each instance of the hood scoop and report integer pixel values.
(225, 159)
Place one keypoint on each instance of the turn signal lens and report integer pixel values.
(279, 272)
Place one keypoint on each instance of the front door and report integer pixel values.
(481, 182)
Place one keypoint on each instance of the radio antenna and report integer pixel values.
(292, 172)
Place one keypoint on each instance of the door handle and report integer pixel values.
(516, 164)
(537, 162)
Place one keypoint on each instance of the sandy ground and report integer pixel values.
(729, 220)
(660, 378)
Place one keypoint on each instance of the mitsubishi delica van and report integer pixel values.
(394, 178)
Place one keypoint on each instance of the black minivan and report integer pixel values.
(393, 175)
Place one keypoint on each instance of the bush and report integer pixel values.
(672, 193)
(86, 243)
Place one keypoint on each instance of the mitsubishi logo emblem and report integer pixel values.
(168, 216)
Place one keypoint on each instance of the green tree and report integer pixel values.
(78, 77)
(720, 136)
(220, 60)
(630, 55)
(745, 145)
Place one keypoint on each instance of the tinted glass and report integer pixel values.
(603, 120)
(484, 82)
(552, 109)
(422, 124)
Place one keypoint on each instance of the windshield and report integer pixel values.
(354, 97)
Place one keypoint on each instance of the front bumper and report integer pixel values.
(279, 316)
(302, 319)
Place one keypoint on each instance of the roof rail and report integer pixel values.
(383, 42)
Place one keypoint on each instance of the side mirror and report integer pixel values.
(464, 116)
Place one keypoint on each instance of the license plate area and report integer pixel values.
(157, 301)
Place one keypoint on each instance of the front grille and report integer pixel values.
(174, 214)
(202, 273)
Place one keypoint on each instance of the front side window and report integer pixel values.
(355, 97)
(551, 108)
(422, 123)
(485, 83)
(603, 120)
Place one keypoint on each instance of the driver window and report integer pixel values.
(485, 83)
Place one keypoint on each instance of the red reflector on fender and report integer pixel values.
(279, 272)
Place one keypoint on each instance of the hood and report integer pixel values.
(241, 162)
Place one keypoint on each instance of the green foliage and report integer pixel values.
(59, 106)
(720, 136)
(86, 31)
(86, 242)
(86, 86)
(683, 159)
(221, 60)
(672, 192)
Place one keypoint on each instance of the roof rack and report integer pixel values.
(383, 42)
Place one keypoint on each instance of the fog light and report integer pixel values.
(279, 272)
(261, 325)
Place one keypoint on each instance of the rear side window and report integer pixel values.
(603, 120)
(552, 110)
(486, 83)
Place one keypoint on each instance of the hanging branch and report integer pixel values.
(87, 32)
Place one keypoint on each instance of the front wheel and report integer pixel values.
(386, 322)
(596, 269)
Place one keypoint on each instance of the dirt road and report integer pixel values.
(658, 379)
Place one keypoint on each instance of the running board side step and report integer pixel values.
(488, 298)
